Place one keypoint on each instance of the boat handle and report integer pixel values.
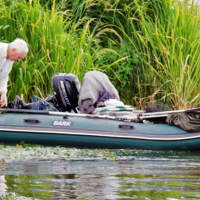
(32, 120)
(126, 126)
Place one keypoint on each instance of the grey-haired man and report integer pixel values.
(9, 52)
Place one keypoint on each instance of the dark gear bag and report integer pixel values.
(187, 121)
(66, 88)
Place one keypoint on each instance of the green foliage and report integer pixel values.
(121, 73)
(149, 48)
(174, 41)
(55, 44)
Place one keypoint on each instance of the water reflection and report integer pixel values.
(3, 185)
(148, 176)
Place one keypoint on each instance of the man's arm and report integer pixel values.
(3, 101)
(3, 90)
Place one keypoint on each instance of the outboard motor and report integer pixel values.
(66, 87)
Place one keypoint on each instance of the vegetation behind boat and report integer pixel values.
(149, 49)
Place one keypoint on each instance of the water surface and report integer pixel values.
(39, 172)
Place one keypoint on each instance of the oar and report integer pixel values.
(132, 116)
(164, 113)
(15, 110)
(147, 115)
(44, 112)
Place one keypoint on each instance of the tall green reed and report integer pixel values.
(164, 40)
(56, 44)
(112, 18)
(174, 41)
(149, 48)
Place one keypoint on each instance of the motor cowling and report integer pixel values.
(66, 87)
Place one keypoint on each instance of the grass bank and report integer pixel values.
(149, 49)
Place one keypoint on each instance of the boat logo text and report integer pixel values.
(62, 123)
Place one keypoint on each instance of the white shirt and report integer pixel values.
(5, 66)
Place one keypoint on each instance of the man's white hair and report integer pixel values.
(20, 45)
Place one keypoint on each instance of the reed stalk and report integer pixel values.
(56, 44)
(148, 48)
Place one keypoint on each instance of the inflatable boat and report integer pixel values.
(92, 131)
(57, 121)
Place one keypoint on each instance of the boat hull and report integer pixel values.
(85, 132)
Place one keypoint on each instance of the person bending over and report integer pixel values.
(9, 52)
(96, 88)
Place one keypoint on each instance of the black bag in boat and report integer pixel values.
(66, 88)
(38, 104)
(187, 121)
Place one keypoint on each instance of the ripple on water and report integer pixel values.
(45, 172)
